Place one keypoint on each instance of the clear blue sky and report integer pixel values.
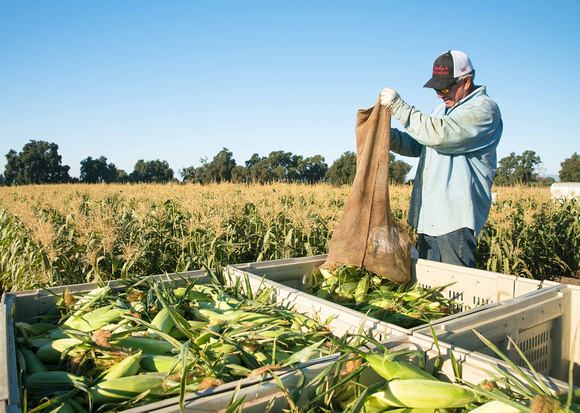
(180, 80)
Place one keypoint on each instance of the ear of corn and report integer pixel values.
(52, 351)
(145, 344)
(129, 366)
(162, 321)
(33, 363)
(64, 407)
(94, 319)
(392, 369)
(123, 388)
(159, 363)
(54, 380)
(495, 406)
(419, 393)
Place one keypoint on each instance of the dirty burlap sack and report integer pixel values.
(366, 235)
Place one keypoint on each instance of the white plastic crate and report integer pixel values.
(258, 398)
(540, 316)
(25, 305)
(536, 322)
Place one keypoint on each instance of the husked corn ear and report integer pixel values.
(129, 366)
(123, 388)
(419, 393)
(53, 380)
(396, 369)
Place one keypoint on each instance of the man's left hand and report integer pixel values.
(388, 96)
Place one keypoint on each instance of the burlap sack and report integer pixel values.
(366, 235)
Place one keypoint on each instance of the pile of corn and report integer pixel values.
(401, 386)
(403, 305)
(105, 350)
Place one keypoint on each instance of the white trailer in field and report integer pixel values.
(565, 190)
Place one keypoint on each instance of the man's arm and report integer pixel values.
(468, 129)
(403, 144)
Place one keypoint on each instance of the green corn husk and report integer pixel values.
(52, 351)
(162, 321)
(392, 369)
(495, 406)
(145, 344)
(129, 366)
(54, 380)
(419, 393)
(159, 363)
(33, 363)
(124, 388)
(94, 319)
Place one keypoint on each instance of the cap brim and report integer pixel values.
(439, 83)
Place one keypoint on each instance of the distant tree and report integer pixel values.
(188, 174)
(258, 170)
(570, 171)
(122, 176)
(37, 163)
(280, 164)
(398, 170)
(312, 169)
(2, 180)
(98, 170)
(343, 170)
(239, 174)
(220, 168)
(517, 169)
(151, 171)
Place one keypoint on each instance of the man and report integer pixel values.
(457, 145)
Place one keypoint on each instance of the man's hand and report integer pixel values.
(388, 96)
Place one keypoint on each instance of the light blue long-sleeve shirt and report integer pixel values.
(457, 150)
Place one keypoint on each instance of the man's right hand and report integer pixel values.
(388, 96)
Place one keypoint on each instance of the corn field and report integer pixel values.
(67, 234)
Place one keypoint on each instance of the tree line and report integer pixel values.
(39, 163)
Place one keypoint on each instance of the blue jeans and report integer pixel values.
(457, 247)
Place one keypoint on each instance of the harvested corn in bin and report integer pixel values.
(110, 350)
(403, 305)
(373, 378)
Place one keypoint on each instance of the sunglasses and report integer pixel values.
(446, 90)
